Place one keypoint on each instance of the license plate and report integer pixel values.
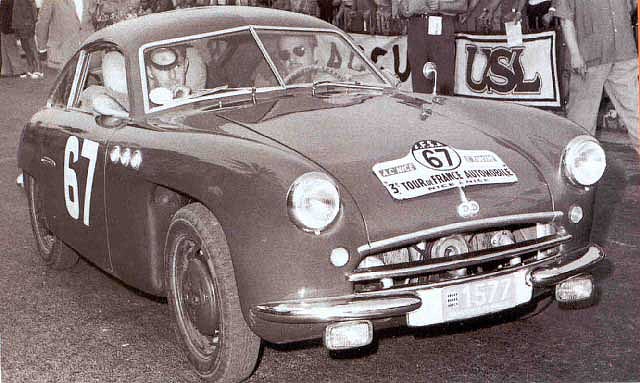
(471, 299)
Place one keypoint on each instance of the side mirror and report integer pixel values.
(430, 71)
(106, 106)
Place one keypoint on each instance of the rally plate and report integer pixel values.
(471, 299)
(432, 166)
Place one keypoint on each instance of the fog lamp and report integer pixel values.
(346, 335)
(576, 289)
(575, 214)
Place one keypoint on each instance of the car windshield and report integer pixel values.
(230, 63)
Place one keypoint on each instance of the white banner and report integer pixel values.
(388, 52)
(487, 67)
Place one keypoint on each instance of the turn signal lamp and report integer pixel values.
(346, 335)
(339, 256)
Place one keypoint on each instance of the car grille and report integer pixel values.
(459, 255)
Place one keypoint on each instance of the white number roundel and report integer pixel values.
(436, 155)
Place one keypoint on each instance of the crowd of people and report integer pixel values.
(598, 56)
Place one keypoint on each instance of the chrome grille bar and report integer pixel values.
(442, 231)
(458, 261)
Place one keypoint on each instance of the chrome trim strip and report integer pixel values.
(549, 276)
(347, 307)
(391, 271)
(440, 231)
(266, 55)
(80, 69)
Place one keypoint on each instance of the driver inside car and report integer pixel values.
(290, 53)
(295, 53)
(173, 73)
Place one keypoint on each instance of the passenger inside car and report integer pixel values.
(173, 72)
(111, 80)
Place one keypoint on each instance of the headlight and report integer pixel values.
(313, 201)
(584, 161)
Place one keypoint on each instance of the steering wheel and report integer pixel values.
(315, 68)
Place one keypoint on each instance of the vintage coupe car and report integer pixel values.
(254, 167)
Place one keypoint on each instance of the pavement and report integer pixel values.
(85, 326)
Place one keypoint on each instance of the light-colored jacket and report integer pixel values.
(59, 30)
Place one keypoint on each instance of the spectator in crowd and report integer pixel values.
(62, 26)
(344, 14)
(326, 10)
(603, 56)
(431, 38)
(11, 61)
(309, 7)
(538, 15)
(489, 16)
(25, 15)
(156, 6)
(108, 12)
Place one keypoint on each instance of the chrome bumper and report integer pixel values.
(386, 304)
(549, 276)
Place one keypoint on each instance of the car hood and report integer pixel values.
(348, 134)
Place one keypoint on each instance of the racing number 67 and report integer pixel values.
(90, 152)
(433, 157)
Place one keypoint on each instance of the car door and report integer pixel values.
(73, 152)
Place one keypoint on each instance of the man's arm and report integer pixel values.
(571, 38)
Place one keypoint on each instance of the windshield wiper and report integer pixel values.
(218, 89)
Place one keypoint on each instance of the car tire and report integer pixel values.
(203, 297)
(53, 252)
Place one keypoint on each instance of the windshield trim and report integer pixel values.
(341, 33)
(253, 30)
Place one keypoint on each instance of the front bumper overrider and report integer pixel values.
(541, 275)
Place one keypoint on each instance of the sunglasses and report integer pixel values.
(299, 51)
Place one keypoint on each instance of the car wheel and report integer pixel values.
(55, 253)
(203, 296)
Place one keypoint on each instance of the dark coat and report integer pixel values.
(25, 15)
(6, 13)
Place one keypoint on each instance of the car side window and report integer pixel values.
(104, 74)
(62, 90)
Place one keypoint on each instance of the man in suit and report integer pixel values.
(62, 27)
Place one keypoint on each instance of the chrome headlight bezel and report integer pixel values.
(581, 150)
(323, 191)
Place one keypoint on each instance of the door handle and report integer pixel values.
(48, 161)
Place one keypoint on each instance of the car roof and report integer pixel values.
(131, 34)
